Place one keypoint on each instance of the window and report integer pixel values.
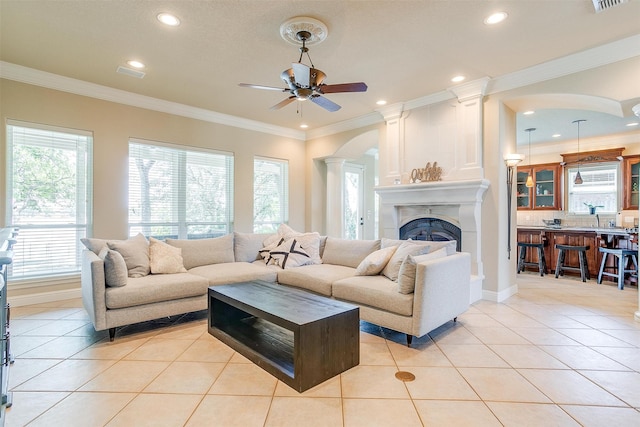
(270, 194)
(48, 198)
(179, 193)
(599, 188)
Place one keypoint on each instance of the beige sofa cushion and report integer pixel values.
(164, 258)
(247, 245)
(135, 251)
(408, 247)
(155, 288)
(375, 262)
(317, 278)
(235, 272)
(407, 274)
(348, 253)
(197, 252)
(115, 269)
(374, 291)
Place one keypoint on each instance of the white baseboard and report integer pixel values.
(44, 297)
(500, 296)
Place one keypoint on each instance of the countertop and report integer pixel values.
(598, 230)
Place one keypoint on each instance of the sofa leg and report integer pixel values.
(112, 334)
(409, 338)
(455, 319)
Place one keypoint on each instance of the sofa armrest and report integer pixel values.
(93, 289)
(442, 291)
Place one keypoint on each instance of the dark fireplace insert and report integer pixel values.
(434, 229)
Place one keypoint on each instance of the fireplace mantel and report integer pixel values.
(458, 202)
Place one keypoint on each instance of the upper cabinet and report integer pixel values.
(545, 193)
(630, 181)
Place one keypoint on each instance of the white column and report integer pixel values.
(469, 130)
(335, 196)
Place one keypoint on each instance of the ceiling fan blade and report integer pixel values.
(325, 103)
(302, 74)
(279, 89)
(344, 87)
(283, 103)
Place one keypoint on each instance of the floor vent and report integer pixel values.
(601, 5)
(129, 72)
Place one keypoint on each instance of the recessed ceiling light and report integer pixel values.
(136, 64)
(528, 113)
(304, 126)
(458, 79)
(495, 18)
(556, 135)
(381, 102)
(632, 124)
(168, 19)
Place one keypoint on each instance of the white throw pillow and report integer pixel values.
(115, 269)
(135, 252)
(164, 258)
(289, 254)
(407, 274)
(310, 242)
(265, 252)
(374, 262)
(407, 248)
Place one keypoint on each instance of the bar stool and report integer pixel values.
(542, 262)
(582, 256)
(623, 256)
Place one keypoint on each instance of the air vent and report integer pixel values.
(601, 5)
(129, 72)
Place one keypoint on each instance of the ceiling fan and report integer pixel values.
(304, 82)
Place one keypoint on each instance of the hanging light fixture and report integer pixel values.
(529, 182)
(578, 179)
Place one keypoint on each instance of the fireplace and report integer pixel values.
(430, 228)
(441, 210)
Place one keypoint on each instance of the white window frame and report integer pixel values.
(270, 225)
(179, 158)
(607, 199)
(48, 245)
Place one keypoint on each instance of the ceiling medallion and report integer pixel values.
(289, 30)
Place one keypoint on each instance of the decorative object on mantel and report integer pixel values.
(426, 174)
(511, 160)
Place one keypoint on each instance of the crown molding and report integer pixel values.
(616, 51)
(346, 125)
(78, 87)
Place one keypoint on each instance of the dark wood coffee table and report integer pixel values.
(303, 339)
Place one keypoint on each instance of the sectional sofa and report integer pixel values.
(411, 287)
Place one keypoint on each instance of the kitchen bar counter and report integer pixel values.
(575, 236)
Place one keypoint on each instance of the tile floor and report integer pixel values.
(560, 352)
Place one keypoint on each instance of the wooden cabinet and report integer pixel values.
(545, 193)
(630, 182)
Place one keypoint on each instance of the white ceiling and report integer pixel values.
(402, 50)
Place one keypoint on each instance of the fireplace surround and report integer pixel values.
(456, 202)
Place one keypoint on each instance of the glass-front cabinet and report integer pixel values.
(545, 193)
(631, 182)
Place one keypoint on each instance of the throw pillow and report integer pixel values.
(265, 252)
(375, 262)
(407, 274)
(288, 254)
(310, 242)
(407, 248)
(164, 258)
(94, 245)
(115, 269)
(135, 252)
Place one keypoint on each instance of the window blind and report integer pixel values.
(270, 194)
(49, 172)
(176, 192)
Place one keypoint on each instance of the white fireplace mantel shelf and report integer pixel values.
(436, 192)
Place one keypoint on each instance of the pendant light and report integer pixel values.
(578, 179)
(529, 182)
